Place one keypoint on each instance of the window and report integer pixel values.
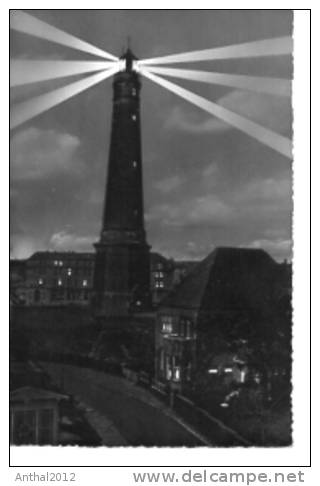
(37, 295)
(161, 360)
(188, 329)
(134, 92)
(85, 283)
(134, 163)
(59, 282)
(45, 426)
(56, 263)
(159, 274)
(176, 373)
(40, 281)
(168, 368)
(188, 371)
(69, 271)
(24, 427)
(167, 326)
(60, 263)
(134, 117)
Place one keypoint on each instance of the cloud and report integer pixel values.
(22, 246)
(64, 241)
(210, 170)
(38, 154)
(273, 112)
(255, 200)
(169, 183)
(183, 120)
(279, 248)
(192, 211)
(269, 190)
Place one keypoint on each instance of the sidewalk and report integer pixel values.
(104, 427)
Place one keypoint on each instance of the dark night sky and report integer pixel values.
(205, 183)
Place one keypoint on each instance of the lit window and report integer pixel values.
(167, 327)
(40, 281)
(60, 263)
(228, 370)
(134, 92)
(176, 373)
(56, 263)
(167, 324)
(69, 271)
(224, 405)
(59, 282)
(134, 117)
(213, 371)
(138, 302)
(134, 163)
(85, 283)
(161, 285)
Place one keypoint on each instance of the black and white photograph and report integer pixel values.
(151, 206)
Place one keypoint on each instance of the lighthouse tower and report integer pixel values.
(122, 274)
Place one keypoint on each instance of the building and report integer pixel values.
(161, 276)
(227, 306)
(122, 263)
(34, 416)
(40, 413)
(53, 278)
(64, 278)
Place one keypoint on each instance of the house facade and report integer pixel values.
(227, 305)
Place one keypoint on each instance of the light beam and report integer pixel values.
(28, 109)
(23, 22)
(274, 86)
(25, 72)
(277, 142)
(267, 47)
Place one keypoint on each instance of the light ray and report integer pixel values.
(274, 86)
(23, 22)
(28, 109)
(278, 142)
(267, 47)
(25, 72)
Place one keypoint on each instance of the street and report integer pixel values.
(140, 418)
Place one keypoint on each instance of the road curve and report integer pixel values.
(138, 416)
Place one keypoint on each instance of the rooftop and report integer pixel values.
(228, 278)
